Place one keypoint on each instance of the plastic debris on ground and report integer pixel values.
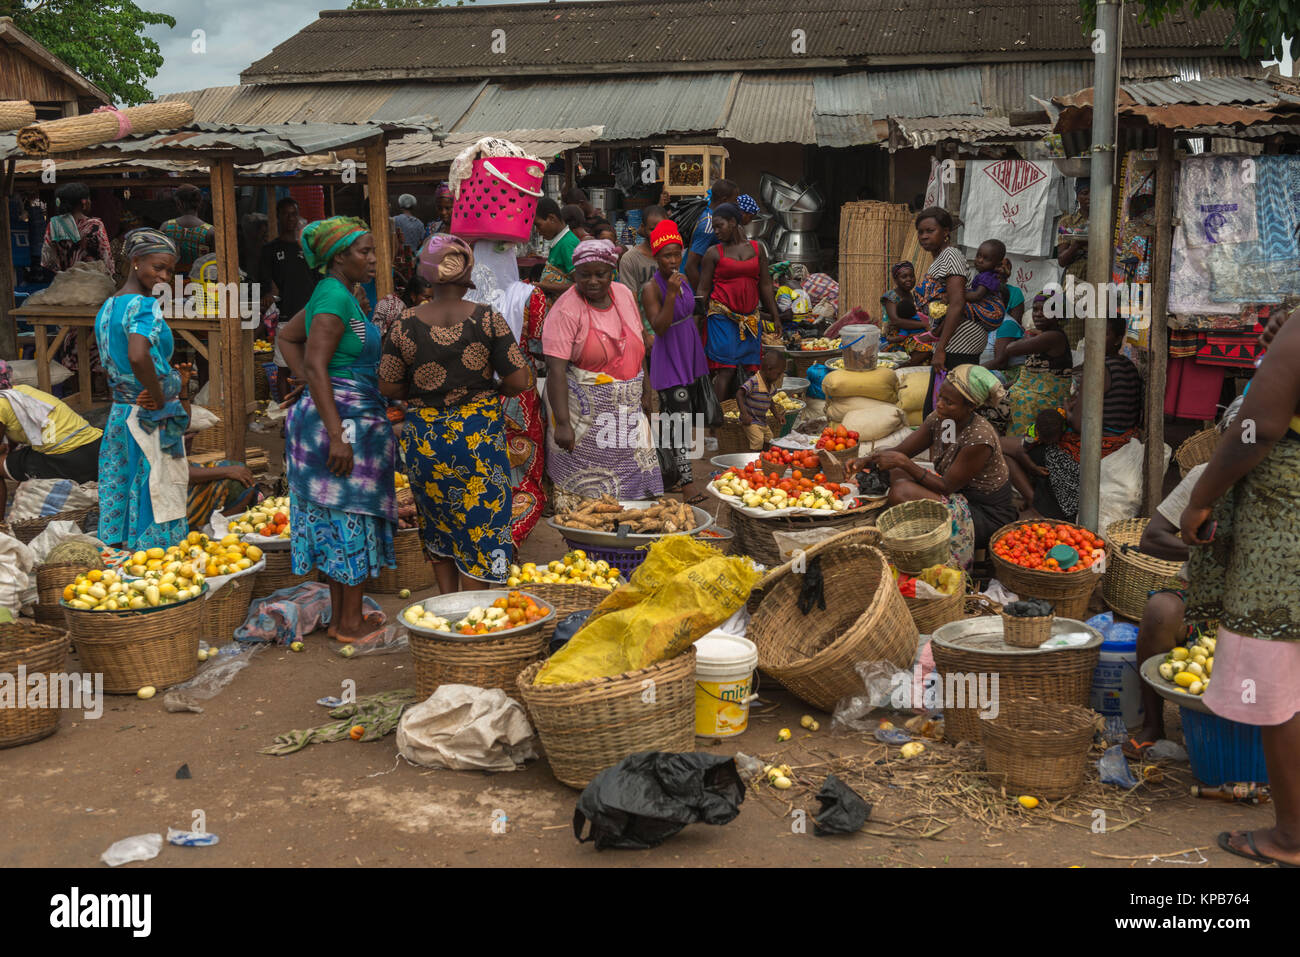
(1166, 750)
(843, 811)
(183, 773)
(1114, 769)
(211, 679)
(648, 797)
(386, 641)
(891, 735)
(464, 728)
(191, 838)
(749, 767)
(881, 681)
(330, 702)
(141, 847)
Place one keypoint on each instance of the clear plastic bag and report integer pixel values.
(391, 639)
(880, 680)
(141, 847)
(210, 681)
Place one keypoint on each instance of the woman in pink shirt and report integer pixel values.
(596, 388)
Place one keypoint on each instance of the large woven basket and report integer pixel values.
(135, 649)
(754, 535)
(915, 535)
(226, 608)
(930, 613)
(413, 570)
(1197, 450)
(565, 599)
(50, 582)
(211, 439)
(856, 535)
(588, 726)
(1068, 591)
(41, 650)
(493, 663)
(278, 574)
(731, 435)
(815, 655)
(261, 382)
(1131, 576)
(1038, 747)
(1058, 676)
(28, 530)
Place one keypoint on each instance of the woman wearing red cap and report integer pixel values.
(677, 361)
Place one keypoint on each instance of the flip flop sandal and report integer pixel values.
(1132, 749)
(697, 500)
(370, 619)
(1256, 855)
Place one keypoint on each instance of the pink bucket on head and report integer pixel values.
(499, 199)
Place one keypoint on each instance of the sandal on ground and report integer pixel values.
(1256, 855)
(1135, 750)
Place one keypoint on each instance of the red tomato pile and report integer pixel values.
(797, 482)
(791, 458)
(837, 439)
(1029, 544)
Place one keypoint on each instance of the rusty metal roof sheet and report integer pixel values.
(927, 131)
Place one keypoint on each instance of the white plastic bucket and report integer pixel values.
(724, 681)
(866, 345)
(1117, 684)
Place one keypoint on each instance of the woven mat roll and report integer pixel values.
(77, 132)
(16, 113)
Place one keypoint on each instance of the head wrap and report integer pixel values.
(595, 250)
(728, 211)
(447, 260)
(779, 269)
(442, 190)
(905, 264)
(747, 204)
(665, 234)
(326, 238)
(406, 201)
(1081, 184)
(6, 376)
(977, 384)
(146, 242)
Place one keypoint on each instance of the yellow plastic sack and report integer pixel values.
(880, 384)
(682, 591)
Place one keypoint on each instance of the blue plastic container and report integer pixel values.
(1221, 750)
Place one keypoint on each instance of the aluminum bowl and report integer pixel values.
(456, 605)
(735, 460)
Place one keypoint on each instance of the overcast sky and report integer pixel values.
(238, 32)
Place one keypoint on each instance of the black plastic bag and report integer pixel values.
(648, 797)
(567, 628)
(843, 810)
(813, 589)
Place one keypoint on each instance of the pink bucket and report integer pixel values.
(499, 200)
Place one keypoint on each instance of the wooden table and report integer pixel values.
(202, 334)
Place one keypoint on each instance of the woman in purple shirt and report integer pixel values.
(677, 361)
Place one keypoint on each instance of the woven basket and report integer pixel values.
(754, 535)
(261, 383)
(413, 570)
(135, 649)
(1059, 676)
(278, 574)
(857, 535)
(211, 439)
(50, 582)
(1197, 450)
(1131, 576)
(88, 129)
(1068, 591)
(28, 530)
(493, 663)
(225, 609)
(1025, 632)
(1038, 747)
(930, 613)
(40, 649)
(723, 539)
(565, 599)
(814, 655)
(588, 726)
(731, 435)
(915, 535)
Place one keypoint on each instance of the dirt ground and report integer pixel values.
(70, 796)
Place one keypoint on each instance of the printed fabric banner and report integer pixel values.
(1216, 199)
(1031, 275)
(1014, 200)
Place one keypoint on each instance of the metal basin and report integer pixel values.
(800, 220)
(761, 225)
(799, 247)
(456, 605)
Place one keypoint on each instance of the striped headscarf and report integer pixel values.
(146, 242)
(905, 264)
(446, 260)
(326, 238)
(595, 250)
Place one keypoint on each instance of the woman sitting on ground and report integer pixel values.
(1045, 377)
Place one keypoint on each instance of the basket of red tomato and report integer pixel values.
(778, 461)
(836, 447)
(1056, 561)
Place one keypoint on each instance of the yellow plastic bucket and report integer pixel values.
(724, 682)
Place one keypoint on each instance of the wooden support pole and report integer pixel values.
(8, 325)
(272, 220)
(234, 414)
(1158, 334)
(381, 227)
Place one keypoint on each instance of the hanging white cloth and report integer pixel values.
(1014, 200)
(497, 283)
(169, 475)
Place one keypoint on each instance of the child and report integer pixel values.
(1030, 460)
(986, 287)
(755, 398)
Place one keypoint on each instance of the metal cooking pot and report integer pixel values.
(553, 185)
(768, 185)
(800, 247)
(810, 199)
(760, 226)
(800, 219)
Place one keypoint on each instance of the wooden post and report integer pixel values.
(272, 220)
(571, 172)
(234, 414)
(381, 227)
(1157, 335)
(8, 325)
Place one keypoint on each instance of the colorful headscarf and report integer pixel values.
(598, 251)
(665, 234)
(977, 384)
(905, 264)
(442, 190)
(146, 242)
(6, 376)
(446, 260)
(747, 204)
(779, 269)
(326, 238)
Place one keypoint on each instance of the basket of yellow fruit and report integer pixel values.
(231, 567)
(574, 583)
(140, 632)
(413, 570)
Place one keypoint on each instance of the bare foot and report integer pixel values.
(369, 625)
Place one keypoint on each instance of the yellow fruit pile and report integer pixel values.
(107, 591)
(1190, 668)
(575, 569)
(262, 516)
(197, 554)
(263, 345)
(402, 481)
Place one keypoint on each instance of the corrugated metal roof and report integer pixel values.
(842, 131)
(772, 108)
(629, 109)
(1214, 91)
(634, 35)
(927, 131)
(952, 91)
(331, 103)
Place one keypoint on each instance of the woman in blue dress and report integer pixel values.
(142, 467)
